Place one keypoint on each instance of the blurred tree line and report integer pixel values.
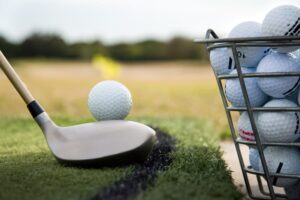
(53, 46)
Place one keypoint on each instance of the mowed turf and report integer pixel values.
(28, 170)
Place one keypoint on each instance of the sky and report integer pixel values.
(113, 21)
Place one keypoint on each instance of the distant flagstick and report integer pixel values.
(109, 68)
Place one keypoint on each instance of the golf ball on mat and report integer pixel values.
(248, 56)
(254, 158)
(282, 21)
(279, 126)
(234, 93)
(109, 100)
(279, 87)
(244, 127)
(283, 160)
(221, 62)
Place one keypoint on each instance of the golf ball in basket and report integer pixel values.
(279, 87)
(248, 56)
(282, 21)
(244, 127)
(254, 158)
(109, 100)
(283, 160)
(279, 126)
(234, 92)
(221, 62)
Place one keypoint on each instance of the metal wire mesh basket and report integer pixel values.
(264, 179)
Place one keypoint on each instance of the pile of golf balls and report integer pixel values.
(109, 100)
(266, 92)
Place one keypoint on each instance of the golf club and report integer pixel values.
(102, 143)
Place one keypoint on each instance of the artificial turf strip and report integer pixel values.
(144, 173)
(29, 171)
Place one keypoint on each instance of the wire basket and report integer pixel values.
(262, 177)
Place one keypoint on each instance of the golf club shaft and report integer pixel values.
(15, 80)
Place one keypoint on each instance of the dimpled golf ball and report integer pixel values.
(248, 56)
(244, 127)
(283, 160)
(221, 62)
(279, 126)
(279, 87)
(254, 158)
(282, 21)
(109, 100)
(234, 92)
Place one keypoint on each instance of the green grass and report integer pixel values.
(28, 170)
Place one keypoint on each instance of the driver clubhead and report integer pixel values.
(115, 142)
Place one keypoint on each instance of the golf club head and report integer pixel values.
(115, 142)
(103, 143)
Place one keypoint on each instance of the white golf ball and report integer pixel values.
(283, 160)
(244, 127)
(234, 92)
(254, 158)
(248, 56)
(221, 62)
(279, 126)
(279, 87)
(282, 21)
(109, 100)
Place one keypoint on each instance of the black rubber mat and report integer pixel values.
(144, 173)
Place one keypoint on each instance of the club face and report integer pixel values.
(107, 142)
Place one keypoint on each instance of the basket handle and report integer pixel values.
(212, 33)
